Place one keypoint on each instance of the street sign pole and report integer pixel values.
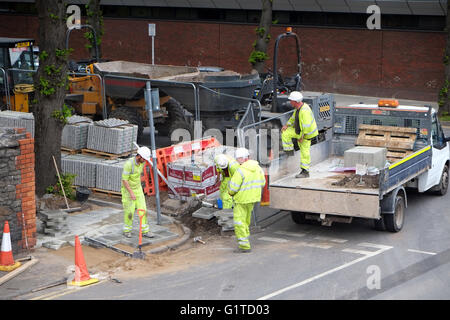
(152, 34)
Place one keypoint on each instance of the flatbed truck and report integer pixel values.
(320, 198)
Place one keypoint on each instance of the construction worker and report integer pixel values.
(226, 166)
(245, 186)
(132, 194)
(298, 132)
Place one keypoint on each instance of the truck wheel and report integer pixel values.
(394, 222)
(298, 217)
(176, 113)
(180, 125)
(130, 115)
(443, 184)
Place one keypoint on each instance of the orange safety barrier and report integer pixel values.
(170, 154)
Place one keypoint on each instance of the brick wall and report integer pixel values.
(17, 181)
(404, 64)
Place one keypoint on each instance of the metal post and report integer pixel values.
(148, 98)
(153, 50)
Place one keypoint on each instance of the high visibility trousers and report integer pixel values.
(242, 215)
(305, 146)
(227, 200)
(129, 208)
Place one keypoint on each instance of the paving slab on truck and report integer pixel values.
(335, 192)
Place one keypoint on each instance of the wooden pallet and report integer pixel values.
(105, 155)
(112, 194)
(70, 151)
(398, 138)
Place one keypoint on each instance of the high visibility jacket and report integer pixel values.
(233, 165)
(246, 184)
(308, 126)
(132, 173)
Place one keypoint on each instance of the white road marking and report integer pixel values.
(293, 234)
(365, 253)
(418, 251)
(331, 239)
(299, 284)
(373, 245)
(314, 245)
(279, 240)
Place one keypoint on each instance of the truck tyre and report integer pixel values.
(130, 115)
(180, 125)
(176, 113)
(298, 217)
(394, 222)
(443, 183)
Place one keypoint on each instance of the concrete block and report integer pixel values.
(54, 244)
(370, 156)
(204, 213)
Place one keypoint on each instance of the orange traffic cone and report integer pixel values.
(82, 277)
(6, 257)
(265, 200)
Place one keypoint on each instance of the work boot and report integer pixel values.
(303, 174)
(240, 250)
(127, 234)
(148, 234)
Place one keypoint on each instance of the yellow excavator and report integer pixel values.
(17, 56)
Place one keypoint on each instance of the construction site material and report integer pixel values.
(60, 182)
(55, 222)
(19, 270)
(50, 285)
(399, 141)
(83, 166)
(112, 136)
(369, 156)
(109, 175)
(75, 133)
(16, 119)
(96, 243)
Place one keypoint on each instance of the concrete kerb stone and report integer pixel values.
(187, 234)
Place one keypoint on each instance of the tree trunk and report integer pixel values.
(95, 19)
(444, 96)
(50, 88)
(259, 55)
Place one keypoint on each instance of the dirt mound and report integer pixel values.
(357, 181)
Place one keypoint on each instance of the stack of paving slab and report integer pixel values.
(55, 222)
(75, 133)
(83, 166)
(112, 136)
(109, 175)
(198, 175)
(15, 119)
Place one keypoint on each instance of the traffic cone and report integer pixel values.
(265, 200)
(6, 257)
(82, 277)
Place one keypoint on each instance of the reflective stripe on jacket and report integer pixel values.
(246, 184)
(307, 122)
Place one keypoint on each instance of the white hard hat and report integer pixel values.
(221, 161)
(242, 153)
(296, 96)
(144, 152)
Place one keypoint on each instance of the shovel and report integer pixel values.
(139, 254)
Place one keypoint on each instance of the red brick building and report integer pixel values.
(339, 54)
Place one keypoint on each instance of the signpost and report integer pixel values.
(152, 34)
